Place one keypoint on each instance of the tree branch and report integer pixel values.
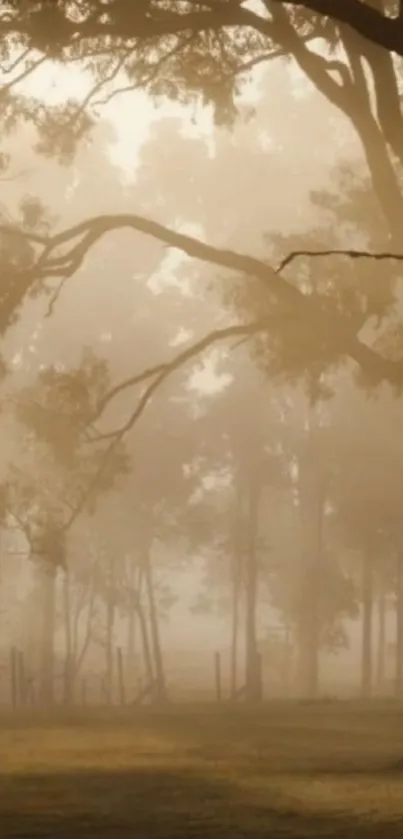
(330, 326)
(158, 376)
(361, 17)
(160, 372)
(351, 253)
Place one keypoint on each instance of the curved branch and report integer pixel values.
(162, 371)
(158, 374)
(330, 326)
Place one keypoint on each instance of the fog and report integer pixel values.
(244, 513)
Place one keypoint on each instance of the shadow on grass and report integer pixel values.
(160, 804)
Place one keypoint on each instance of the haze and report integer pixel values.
(201, 462)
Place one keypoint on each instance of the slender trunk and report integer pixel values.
(131, 643)
(1, 587)
(399, 626)
(48, 633)
(313, 615)
(132, 616)
(252, 669)
(367, 620)
(79, 655)
(69, 660)
(237, 556)
(110, 625)
(380, 670)
(235, 633)
(312, 501)
(154, 627)
(148, 662)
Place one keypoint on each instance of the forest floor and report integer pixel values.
(280, 771)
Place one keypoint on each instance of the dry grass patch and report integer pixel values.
(280, 771)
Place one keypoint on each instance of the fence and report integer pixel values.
(190, 676)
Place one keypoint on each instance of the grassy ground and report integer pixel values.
(280, 771)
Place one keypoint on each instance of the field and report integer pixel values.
(281, 771)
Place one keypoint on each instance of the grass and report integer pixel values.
(281, 771)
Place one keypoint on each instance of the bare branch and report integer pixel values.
(158, 374)
(146, 80)
(351, 253)
(28, 70)
(88, 99)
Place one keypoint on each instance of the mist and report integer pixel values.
(201, 370)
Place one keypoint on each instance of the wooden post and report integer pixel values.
(121, 679)
(217, 668)
(22, 684)
(13, 677)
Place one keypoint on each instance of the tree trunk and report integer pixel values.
(313, 614)
(236, 569)
(48, 633)
(154, 627)
(367, 620)
(132, 617)
(110, 625)
(352, 98)
(69, 656)
(312, 500)
(399, 626)
(148, 662)
(78, 655)
(252, 669)
(380, 670)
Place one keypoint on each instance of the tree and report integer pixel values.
(196, 51)
(258, 34)
(176, 36)
(54, 411)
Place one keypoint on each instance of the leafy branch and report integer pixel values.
(64, 253)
